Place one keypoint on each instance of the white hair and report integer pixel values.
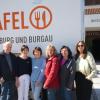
(7, 43)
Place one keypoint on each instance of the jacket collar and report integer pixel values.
(3, 53)
(52, 57)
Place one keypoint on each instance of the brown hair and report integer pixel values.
(38, 49)
(24, 47)
(84, 51)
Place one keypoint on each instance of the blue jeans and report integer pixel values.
(36, 90)
(8, 91)
(52, 94)
(65, 94)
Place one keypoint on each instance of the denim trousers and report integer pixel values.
(65, 94)
(36, 90)
(52, 94)
(8, 91)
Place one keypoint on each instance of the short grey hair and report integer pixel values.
(7, 43)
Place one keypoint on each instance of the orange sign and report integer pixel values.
(40, 17)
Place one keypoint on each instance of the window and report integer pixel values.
(92, 2)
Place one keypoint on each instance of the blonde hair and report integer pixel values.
(50, 46)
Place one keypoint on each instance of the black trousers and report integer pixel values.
(83, 87)
(44, 94)
(0, 89)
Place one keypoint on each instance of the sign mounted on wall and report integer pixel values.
(39, 22)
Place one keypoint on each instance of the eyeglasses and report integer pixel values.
(80, 45)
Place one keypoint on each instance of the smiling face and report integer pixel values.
(37, 54)
(51, 52)
(64, 52)
(7, 47)
(80, 47)
(25, 52)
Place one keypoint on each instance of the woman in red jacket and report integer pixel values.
(51, 73)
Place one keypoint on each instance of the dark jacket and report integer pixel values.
(67, 74)
(5, 71)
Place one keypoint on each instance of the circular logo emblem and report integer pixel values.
(40, 17)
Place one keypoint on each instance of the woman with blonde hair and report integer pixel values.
(51, 73)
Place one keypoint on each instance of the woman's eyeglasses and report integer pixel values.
(80, 45)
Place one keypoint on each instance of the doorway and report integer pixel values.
(96, 48)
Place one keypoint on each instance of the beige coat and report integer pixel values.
(87, 66)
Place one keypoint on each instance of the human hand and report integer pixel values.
(2, 80)
(44, 87)
(17, 83)
(88, 77)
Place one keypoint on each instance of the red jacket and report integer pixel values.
(52, 73)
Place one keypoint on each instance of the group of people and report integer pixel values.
(57, 73)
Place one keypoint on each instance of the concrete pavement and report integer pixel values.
(96, 84)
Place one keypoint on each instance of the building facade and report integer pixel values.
(92, 27)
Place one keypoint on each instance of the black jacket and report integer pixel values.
(5, 69)
(67, 74)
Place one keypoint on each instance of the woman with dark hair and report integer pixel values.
(67, 73)
(23, 72)
(85, 70)
(37, 76)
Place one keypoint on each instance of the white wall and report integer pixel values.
(66, 27)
